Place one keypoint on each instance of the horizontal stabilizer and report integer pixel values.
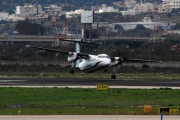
(60, 51)
(80, 41)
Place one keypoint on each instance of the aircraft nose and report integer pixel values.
(107, 62)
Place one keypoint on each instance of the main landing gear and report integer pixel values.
(113, 76)
(105, 70)
(72, 69)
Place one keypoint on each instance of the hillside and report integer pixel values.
(10, 5)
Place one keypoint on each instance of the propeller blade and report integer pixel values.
(120, 61)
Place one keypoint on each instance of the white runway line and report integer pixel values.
(89, 117)
(83, 86)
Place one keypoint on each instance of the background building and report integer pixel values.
(105, 8)
(172, 3)
(5, 16)
(128, 12)
(73, 13)
(144, 7)
(53, 10)
(130, 3)
(28, 10)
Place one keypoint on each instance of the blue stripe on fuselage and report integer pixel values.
(92, 66)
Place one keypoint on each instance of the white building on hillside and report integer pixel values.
(73, 13)
(105, 8)
(28, 10)
(53, 9)
(128, 12)
(5, 16)
(164, 8)
(130, 3)
(172, 3)
(168, 5)
(144, 7)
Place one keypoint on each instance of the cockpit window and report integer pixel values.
(103, 56)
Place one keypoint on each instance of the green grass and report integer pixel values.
(85, 101)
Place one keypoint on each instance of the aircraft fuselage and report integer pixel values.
(94, 63)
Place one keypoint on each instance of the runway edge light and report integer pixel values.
(19, 112)
(147, 109)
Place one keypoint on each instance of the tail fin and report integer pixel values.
(78, 50)
(78, 47)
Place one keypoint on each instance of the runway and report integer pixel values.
(86, 82)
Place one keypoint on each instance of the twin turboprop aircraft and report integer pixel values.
(91, 63)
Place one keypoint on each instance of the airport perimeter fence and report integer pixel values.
(173, 64)
(164, 64)
(63, 64)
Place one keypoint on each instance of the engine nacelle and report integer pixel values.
(117, 58)
(117, 61)
(72, 56)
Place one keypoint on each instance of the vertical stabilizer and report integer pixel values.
(78, 47)
(78, 50)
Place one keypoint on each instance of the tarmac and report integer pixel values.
(86, 82)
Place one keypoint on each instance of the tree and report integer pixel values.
(177, 26)
(10, 11)
(28, 28)
(169, 15)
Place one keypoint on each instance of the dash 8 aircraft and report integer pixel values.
(91, 63)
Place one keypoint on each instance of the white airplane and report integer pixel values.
(91, 63)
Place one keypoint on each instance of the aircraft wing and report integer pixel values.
(115, 61)
(137, 60)
(60, 51)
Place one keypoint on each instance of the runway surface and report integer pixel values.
(91, 117)
(77, 82)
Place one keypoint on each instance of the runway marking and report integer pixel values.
(12, 80)
(129, 87)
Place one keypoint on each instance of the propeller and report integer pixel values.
(120, 61)
(116, 61)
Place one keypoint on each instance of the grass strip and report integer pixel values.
(61, 101)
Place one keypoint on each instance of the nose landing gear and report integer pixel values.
(72, 69)
(113, 76)
(105, 70)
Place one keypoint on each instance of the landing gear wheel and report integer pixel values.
(72, 69)
(105, 70)
(113, 76)
(71, 72)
